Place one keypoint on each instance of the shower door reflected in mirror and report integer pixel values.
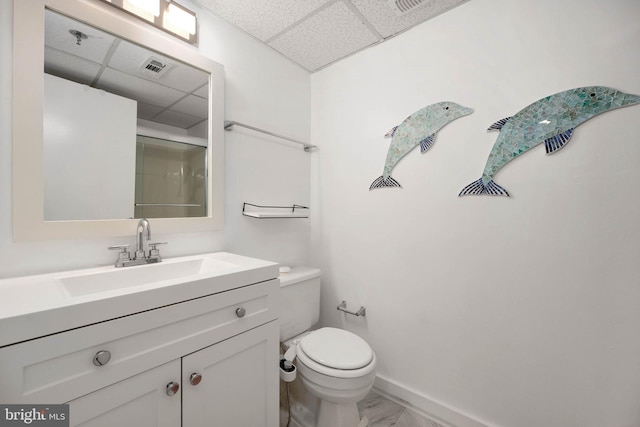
(170, 179)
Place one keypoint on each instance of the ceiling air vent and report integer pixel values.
(401, 7)
(154, 67)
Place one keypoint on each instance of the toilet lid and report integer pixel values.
(337, 348)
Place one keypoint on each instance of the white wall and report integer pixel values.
(263, 89)
(521, 311)
(266, 91)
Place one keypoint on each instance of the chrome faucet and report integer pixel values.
(143, 228)
(140, 256)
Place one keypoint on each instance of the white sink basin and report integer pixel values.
(129, 277)
(35, 306)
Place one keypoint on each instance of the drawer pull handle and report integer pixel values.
(195, 378)
(240, 312)
(172, 388)
(102, 358)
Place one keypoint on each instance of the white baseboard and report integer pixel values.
(423, 405)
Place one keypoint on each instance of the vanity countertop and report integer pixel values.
(35, 306)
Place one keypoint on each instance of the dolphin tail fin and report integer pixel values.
(382, 182)
(479, 187)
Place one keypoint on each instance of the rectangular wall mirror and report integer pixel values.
(113, 121)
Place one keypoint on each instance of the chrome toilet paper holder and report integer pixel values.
(362, 311)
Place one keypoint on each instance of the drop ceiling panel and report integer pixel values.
(386, 21)
(147, 111)
(108, 63)
(175, 118)
(203, 91)
(316, 33)
(138, 88)
(69, 66)
(193, 105)
(57, 36)
(262, 19)
(128, 57)
(312, 33)
(327, 36)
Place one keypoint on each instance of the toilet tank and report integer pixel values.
(300, 301)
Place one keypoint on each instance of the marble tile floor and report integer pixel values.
(383, 412)
(380, 411)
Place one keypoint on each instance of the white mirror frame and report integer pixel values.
(28, 90)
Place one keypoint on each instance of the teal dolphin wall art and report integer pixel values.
(550, 120)
(418, 129)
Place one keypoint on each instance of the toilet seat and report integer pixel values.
(337, 353)
(337, 349)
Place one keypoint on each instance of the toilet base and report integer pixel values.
(338, 415)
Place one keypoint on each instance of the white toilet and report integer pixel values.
(334, 365)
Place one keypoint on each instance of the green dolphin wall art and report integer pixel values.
(418, 129)
(550, 120)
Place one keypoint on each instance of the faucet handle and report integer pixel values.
(123, 255)
(122, 248)
(154, 252)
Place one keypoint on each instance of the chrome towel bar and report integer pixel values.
(180, 205)
(229, 124)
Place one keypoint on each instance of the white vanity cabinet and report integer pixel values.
(208, 360)
(140, 401)
(237, 381)
(226, 384)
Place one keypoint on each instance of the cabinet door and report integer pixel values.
(140, 401)
(239, 381)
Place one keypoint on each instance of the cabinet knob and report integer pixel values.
(172, 388)
(240, 312)
(195, 378)
(102, 358)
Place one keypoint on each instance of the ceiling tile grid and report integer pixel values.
(262, 19)
(115, 65)
(57, 34)
(147, 111)
(316, 33)
(386, 20)
(177, 119)
(68, 66)
(311, 33)
(129, 57)
(140, 89)
(327, 36)
(193, 105)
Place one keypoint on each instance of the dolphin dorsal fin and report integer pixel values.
(555, 143)
(391, 132)
(498, 125)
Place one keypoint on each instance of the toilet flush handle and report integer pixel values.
(289, 356)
